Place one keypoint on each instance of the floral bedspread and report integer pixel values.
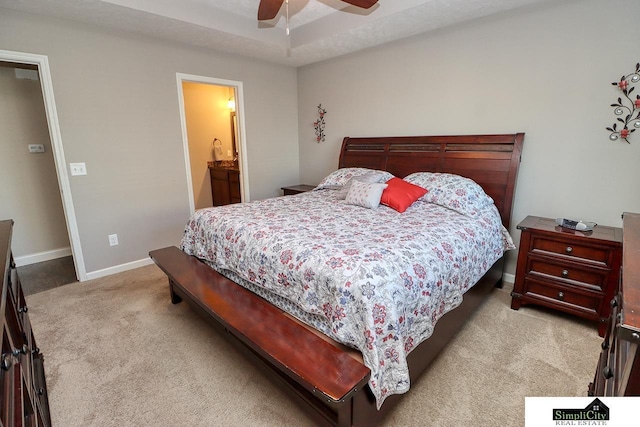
(374, 279)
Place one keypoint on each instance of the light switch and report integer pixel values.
(78, 169)
(36, 148)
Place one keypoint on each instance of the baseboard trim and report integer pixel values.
(508, 277)
(118, 268)
(42, 256)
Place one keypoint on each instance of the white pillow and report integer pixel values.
(370, 177)
(365, 194)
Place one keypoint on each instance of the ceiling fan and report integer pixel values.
(268, 9)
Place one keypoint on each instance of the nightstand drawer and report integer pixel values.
(567, 270)
(590, 278)
(584, 253)
(556, 296)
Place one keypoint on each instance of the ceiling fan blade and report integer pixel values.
(268, 9)
(365, 4)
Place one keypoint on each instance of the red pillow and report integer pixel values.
(401, 194)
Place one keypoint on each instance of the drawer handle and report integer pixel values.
(565, 273)
(19, 351)
(23, 309)
(569, 249)
(6, 363)
(607, 372)
(561, 296)
(604, 345)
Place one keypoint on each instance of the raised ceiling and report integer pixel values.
(319, 29)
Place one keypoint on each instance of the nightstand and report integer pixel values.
(571, 271)
(296, 189)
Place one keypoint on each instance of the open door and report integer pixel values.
(41, 64)
(214, 147)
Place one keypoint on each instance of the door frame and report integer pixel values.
(241, 142)
(42, 62)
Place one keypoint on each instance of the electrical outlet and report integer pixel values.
(113, 239)
(36, 148)
(229, 153)
(78, 169)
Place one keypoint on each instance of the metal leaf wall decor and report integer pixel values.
(318, 125)
(627, 108)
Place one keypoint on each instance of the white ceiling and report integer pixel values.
(319, 29)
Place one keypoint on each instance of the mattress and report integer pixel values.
(376, 280)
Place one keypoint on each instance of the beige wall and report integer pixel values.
(207, 117)
(546, 71)
(117, 101)
(29, 192)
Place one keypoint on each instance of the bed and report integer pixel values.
(406, 335)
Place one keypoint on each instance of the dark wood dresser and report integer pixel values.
(225, 182)
(618, 370)
(23, 393)
(572, 271)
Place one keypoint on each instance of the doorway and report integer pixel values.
(37, 67)
(211, 115)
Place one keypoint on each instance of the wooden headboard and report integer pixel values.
(490, 160)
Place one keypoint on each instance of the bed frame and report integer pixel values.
(329, 383)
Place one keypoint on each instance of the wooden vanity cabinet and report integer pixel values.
(225, 183)
(23, 389)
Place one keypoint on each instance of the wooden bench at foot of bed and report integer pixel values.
(313, 368)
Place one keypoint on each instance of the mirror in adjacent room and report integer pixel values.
(234, 135)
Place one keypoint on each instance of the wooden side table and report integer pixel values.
(571, 271)
(296, 189)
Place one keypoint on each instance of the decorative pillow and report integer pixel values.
(365, 194)
(339, 178)
(451, 191)
(401, 194)
(372, 177)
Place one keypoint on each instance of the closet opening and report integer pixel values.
(33, 180)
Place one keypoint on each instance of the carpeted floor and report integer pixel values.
(47, 275)
(118, 353)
